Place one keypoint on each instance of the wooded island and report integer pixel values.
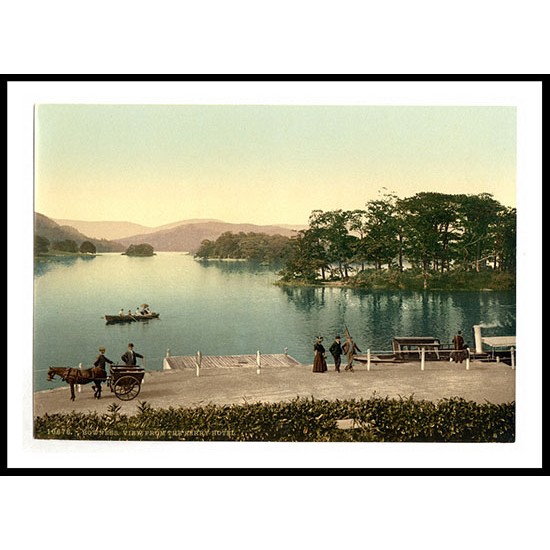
(429, 240)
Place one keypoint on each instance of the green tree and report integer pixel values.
(206, 249)
(430, 226)
(504, 233)
(479, 217)
(143, 249)
(41, 245)
(304, 258)
(87, 248)
(66, 245)
(332, 231)
(383, 231)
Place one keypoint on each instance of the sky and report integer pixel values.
(262, 164)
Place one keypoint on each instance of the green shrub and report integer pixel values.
(302, 419)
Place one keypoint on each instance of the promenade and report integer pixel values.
(492, 382)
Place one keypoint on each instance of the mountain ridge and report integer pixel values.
(51, 230)
(182, 236)
(188, 237)
(114, 230)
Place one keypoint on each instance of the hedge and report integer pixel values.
(302, 419)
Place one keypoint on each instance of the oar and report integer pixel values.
(132, 317)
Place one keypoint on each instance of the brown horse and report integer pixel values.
(79, 376)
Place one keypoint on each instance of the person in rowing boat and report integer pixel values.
(121, 312)
(130, 357)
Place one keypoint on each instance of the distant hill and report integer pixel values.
(51, 230)
(118, 229)
(106, 230)
(188, 237)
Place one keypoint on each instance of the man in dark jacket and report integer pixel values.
(101, 360)
(458, 355)
(336, 352)
(130, 357)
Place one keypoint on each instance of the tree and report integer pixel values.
(332, 230)
(67, 245)
(143, 249)
(41, 245)
(505, 240)
(479, 216)
(87, 248)
(382, 231)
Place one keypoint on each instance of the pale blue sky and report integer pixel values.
(155, 164)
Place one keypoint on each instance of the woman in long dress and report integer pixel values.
(319, 361)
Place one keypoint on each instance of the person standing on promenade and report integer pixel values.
(130, 357)
(319, 361)
(336, 352)
(458, 345)
(349, 348)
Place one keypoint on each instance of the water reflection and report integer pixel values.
(377, 316)
(43, 265)
(305, 298)
(236, 266)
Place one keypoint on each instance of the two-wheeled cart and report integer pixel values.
(125, 381)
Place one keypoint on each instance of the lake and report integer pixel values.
(230, 308)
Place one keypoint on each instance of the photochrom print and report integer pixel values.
(256, 272)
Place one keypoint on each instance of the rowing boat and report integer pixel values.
(111, 319)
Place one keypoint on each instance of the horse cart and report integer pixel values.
(125, 381)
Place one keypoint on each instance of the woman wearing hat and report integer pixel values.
(319, 361)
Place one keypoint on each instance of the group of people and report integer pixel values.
(349, 348)
(129, 357)
(143, 310)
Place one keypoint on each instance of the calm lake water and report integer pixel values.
(228, 308)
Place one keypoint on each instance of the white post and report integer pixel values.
(512, 357)
(477, 338)
(286, 351)
(258, 362)
(468, 359)
(79, 387)
(368, 359)
(198, 362)
(422, 358)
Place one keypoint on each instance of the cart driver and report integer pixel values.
(101, 359)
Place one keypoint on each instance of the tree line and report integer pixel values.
(427, 233)
(42, 245)
(257, 247)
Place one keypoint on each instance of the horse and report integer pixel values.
(79, 376)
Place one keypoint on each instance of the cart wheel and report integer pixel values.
(127, 388)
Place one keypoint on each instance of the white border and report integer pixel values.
(25, 452)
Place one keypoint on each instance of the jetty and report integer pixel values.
(180, 362)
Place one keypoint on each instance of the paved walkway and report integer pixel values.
(492, 382)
